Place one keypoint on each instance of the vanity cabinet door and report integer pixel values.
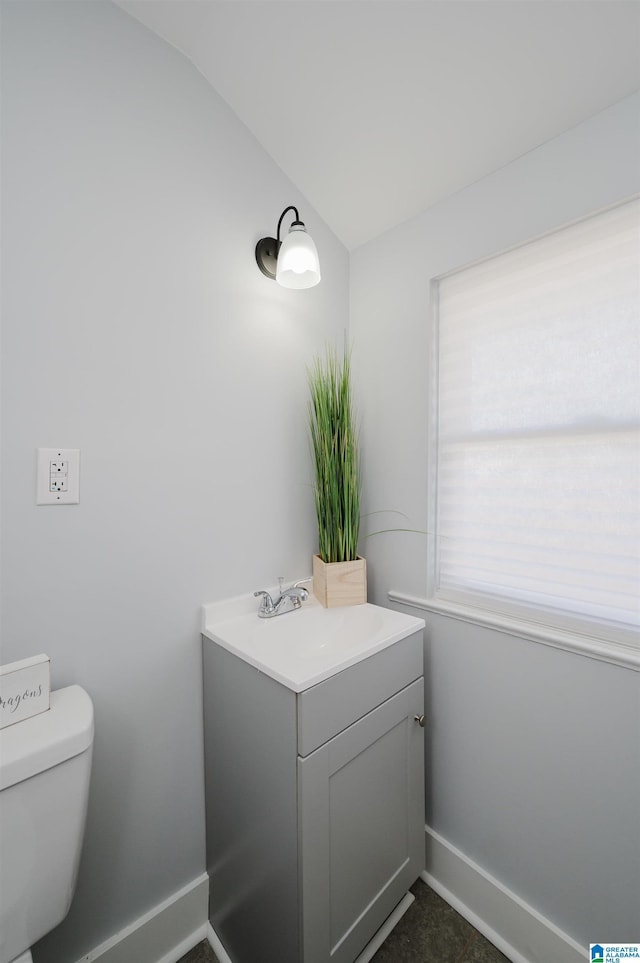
(361, 823)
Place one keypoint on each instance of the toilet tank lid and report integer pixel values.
(36, 744)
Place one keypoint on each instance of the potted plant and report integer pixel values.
(339, 573)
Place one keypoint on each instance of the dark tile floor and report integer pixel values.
(429, 932)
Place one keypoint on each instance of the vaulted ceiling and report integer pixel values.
(376, 109)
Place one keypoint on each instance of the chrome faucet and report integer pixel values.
(290, 600)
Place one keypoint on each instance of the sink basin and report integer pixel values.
(304, 647)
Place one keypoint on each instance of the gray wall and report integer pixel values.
(138, 328)
(533, 767)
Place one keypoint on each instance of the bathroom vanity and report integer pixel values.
(314, 769)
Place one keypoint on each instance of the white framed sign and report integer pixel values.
(25, 688)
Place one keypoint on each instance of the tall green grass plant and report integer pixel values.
(334, 442)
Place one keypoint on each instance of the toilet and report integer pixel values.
(45, 766)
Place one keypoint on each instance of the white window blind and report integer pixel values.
(538, 416)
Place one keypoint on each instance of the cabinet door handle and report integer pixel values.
(420, 721)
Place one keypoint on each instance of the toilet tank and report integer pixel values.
(45, 765)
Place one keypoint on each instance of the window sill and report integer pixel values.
(613, 652)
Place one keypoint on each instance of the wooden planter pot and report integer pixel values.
(340, 583)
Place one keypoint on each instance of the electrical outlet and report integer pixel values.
(58, 476)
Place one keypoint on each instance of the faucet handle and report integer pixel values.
(300, 581)
(266, 605)
(296, 594)
(299, 587)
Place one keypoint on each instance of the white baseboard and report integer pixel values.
(517, 929)
(162, 935)
(216, 945)
(172, 928)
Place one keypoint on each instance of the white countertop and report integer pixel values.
(307, 645)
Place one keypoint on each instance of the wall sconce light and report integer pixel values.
(293, 262)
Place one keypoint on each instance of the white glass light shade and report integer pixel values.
(298, 265)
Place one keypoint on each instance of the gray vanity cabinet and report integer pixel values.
(315, 804)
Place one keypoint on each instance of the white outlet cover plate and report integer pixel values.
(44, 496)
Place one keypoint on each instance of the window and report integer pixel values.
(536, 428)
